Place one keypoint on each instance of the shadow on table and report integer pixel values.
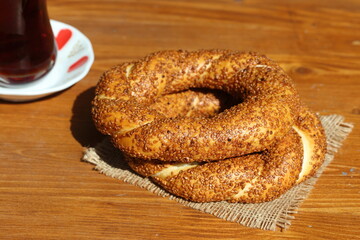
(82, 126)
(85, 132)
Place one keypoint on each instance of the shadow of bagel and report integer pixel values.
(82, 126)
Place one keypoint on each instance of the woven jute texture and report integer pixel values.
(272, 215)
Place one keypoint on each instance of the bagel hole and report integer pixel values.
(226, 101)
(205, 103)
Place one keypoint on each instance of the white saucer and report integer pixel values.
(73, 61)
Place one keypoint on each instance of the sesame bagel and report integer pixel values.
(126, 96)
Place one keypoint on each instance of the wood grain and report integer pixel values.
(46, 192)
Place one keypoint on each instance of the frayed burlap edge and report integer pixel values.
(267, 216)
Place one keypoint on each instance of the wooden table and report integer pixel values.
(46, 192)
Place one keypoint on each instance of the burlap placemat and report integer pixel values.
(267, 216)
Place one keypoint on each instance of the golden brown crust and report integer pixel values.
(249, 179)
(124, 94)
(308, 125)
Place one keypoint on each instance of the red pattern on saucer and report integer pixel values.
(62, 38)
(78, 63)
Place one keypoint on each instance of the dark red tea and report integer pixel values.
(27, 46)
